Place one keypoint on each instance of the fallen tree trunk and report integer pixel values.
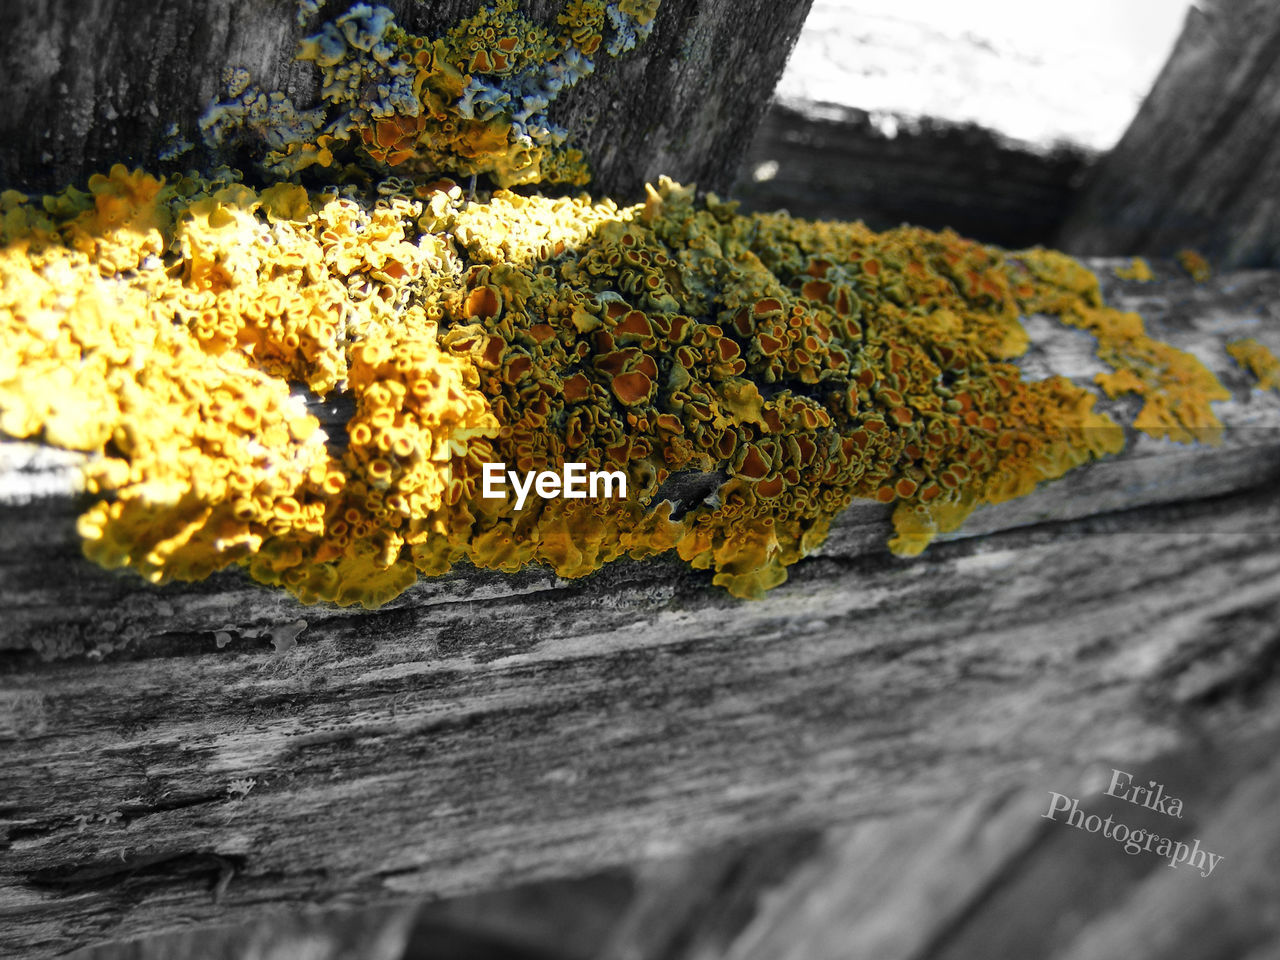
(199, 753)
(826, 162)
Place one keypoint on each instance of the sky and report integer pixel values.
(1034, 70)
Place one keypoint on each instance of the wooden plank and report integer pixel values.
(39, 486)
(833, 162)
(442, 749)
(487, 730)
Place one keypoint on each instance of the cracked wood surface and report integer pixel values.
(485, 729)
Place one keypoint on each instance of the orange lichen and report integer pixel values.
(1258, 360)
(472, 101)
(791, 366)
(1195, 264)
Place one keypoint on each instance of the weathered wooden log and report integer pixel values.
(1198, 166)
(90, 85)
(827, 162)
(202, 752)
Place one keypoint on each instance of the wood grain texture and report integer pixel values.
(94, 83)
(830, 162)
(1199, 166)
(991, 876)
(485, 730)
(379, 933)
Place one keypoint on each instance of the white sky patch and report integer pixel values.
(765, 171)
(1039, 72)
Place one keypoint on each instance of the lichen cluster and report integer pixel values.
(473, 101)
(1137, 270)
(1176, 387)
(1258, 360)
(1194, 263)
(789, 366)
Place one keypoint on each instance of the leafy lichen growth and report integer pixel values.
(1137, 270)
(1258, 360)
(160, 325)
(473, 101)
(1176, 387)
(1196, 266)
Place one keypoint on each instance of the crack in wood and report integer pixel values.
(167, 866)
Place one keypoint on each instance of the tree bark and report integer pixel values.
(185, 763)
(1200, 165)
(93, 84)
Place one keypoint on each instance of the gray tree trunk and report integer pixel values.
(1200, 165)
(89, 84)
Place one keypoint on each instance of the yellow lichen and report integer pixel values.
(788, 367)
(1177, 389)
(1258, 360)
(1138, 270)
